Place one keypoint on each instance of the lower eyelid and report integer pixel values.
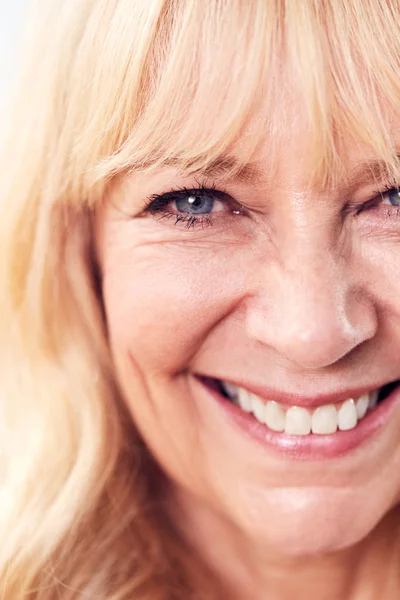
(386, 202)
(188, 221)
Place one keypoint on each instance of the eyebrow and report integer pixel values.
(229, 167)
(233, 168)
(370, 171)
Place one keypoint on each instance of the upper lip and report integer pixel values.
(294, 399)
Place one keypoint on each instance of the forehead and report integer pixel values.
(283, 131)
(286, 146)
(305, 87)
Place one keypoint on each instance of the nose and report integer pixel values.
(312, 313)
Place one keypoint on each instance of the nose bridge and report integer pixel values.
(313, 313)
(310, 266)
(313, 295)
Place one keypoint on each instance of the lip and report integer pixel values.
(310, 447)
(288, 400)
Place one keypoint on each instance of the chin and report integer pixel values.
(294, 523)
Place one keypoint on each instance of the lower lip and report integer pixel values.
(310, 447)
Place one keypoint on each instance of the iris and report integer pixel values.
(196, 204)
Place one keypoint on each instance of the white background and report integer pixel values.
(12, 22)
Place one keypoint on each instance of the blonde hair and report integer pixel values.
(117, 86)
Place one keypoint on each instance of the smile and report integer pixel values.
(324, 419)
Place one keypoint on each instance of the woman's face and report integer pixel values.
(284, 291)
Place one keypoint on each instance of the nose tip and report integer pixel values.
(320, 343)
(313, 328)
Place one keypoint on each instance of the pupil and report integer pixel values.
(195, 204)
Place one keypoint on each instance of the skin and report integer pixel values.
(294, 294)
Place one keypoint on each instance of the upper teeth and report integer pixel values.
(297, 420)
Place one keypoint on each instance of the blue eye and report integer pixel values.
(195, 204)
(194, 207)
(393, 196)
(191, 206)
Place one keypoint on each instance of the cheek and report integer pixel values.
(378, 269)
(384, 264)
(161, 305)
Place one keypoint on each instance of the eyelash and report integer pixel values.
(156, 204)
